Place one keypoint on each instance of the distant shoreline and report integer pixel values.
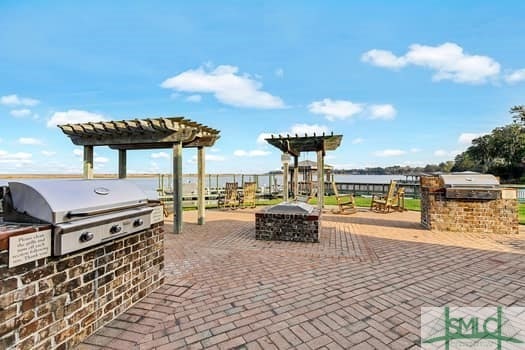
(70, 176)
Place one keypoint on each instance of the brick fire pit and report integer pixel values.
(293, 221)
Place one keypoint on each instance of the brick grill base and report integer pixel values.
(463, 215)
(57, 302)
(287, 227)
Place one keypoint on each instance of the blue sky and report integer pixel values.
(405, 82)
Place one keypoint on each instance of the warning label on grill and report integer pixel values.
(29, 247)
(157, 215)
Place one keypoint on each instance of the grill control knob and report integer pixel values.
(86, 236)
(138, 222)
(115, 229)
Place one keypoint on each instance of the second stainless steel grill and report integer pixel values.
(83, 212)
(471, 186)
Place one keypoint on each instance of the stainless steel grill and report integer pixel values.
(83, 212)
(471, 186)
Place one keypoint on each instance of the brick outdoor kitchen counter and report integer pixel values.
(56, 302)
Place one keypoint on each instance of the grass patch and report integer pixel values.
(410, 203)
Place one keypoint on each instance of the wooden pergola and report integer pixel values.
(294, 145)
(150, 133)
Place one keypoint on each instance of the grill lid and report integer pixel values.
(291, 208)
(470, 180)
(56, 201)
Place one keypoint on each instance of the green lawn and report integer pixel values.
(410, 204)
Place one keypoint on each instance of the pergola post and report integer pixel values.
(88, 162)
(177, 187)
(122, 171)
(285, 158)
(295, 186)
(201, 204)
(320, 179)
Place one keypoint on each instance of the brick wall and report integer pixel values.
(56, 302)
(464, 215)
(287, 227)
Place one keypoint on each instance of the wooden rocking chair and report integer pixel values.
(399, 200)
(248, 199)
(231, 196)
(307, 192)
(345, 202)
(384, 203)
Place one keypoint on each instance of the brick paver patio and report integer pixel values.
(362, 287)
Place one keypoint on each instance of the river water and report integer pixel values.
(151, 184)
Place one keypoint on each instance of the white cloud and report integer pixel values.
(335, 109)
(308, 129)
(389, 153)
(279, 72)
(214, 149)
(262, 136)
(385, 111)
(14, 100)
(252, 153)
(444, 153)
(15, 158)
(153, 167)
(160, 155)
(448, 60)
(467, 137)
(209, 158)
(48, 153)
(357, 141)
(73, 116)
(226, 85)
(515, 76)
(78, 152)
(382, 58)
(100, 160)
(194, 98)
(19, 113)
(415, 150)
(214, 158)
(29, 141)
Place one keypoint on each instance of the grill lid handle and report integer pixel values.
(72, 214)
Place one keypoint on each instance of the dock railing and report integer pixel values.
(368, 189)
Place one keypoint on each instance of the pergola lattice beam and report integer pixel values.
(294, 145)
(142, 133)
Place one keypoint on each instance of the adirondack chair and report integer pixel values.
(384, 203)
(231, 196)
(248, 199)
(345, 202)
(399, 200)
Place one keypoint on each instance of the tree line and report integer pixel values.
(501, 152)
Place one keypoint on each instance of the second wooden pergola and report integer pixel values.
(294, 145)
